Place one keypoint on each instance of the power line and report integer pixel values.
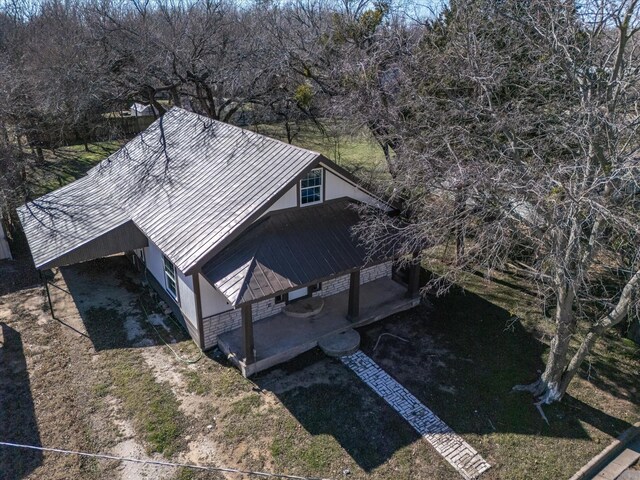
(160, 462)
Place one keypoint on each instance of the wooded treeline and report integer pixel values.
(510, 127)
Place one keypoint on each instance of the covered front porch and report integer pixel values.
(264, 343)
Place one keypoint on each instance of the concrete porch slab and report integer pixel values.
(280, 338)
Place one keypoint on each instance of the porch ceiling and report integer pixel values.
(288, 249)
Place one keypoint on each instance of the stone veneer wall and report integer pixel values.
(340, 284)
(231, 319)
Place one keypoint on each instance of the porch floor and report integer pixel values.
(280, 338)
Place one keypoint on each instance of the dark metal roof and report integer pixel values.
(288, 249)
(189, 183)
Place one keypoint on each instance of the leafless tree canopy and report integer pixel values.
(519, 143)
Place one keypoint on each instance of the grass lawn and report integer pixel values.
(465, 355)
(310, 416)
(355, 150)
(66, 164)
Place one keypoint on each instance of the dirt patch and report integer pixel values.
(17, 275)
(130, 447)
(46, 393)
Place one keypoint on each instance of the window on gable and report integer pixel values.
(311, 187)
(170, 282)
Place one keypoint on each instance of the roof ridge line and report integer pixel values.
(245, 285)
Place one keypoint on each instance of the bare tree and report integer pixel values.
(519, 143)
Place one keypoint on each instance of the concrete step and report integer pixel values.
(340, 344)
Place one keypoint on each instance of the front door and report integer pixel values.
(295, 294)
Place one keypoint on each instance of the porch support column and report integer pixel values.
(354, 296)
(247, 334)
(198, 299)
(45, 282)
(413, 282)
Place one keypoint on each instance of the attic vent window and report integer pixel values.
(311, 187)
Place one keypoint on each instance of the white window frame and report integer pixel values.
(320, 187)
(170, 276)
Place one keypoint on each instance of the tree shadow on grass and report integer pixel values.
(18, 423)
(340, 405)
(464, 356)
(614, 367)
(505, 283)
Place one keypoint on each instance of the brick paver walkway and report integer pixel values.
(447, 443)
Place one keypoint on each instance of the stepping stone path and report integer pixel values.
(462, 456)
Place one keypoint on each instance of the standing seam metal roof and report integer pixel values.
(187, 182)
(288, 249)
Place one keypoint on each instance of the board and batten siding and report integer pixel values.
(213, 302)
(231, 319)
(334, 187)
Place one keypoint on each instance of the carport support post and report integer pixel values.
(413, 283)
(354, 296)
(46, 288)
(247, 334)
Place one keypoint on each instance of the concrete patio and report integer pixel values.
(280, 338)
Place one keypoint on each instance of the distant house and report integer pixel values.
(236, 229)
(142, 110)
(4, 244)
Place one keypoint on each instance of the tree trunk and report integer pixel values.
(175, 96)
(288, 129)
(40, 154)
(459, 228)
(550, 387)
(553, 383)
(614, 317)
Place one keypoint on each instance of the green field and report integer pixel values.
(354, 149)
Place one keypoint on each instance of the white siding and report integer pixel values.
(187, 298)
(336, 187)
(287, 200)
(153, 259)
(213, 301)
(186, 295)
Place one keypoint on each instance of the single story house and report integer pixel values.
(233, 227)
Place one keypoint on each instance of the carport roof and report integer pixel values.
(289, 249)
